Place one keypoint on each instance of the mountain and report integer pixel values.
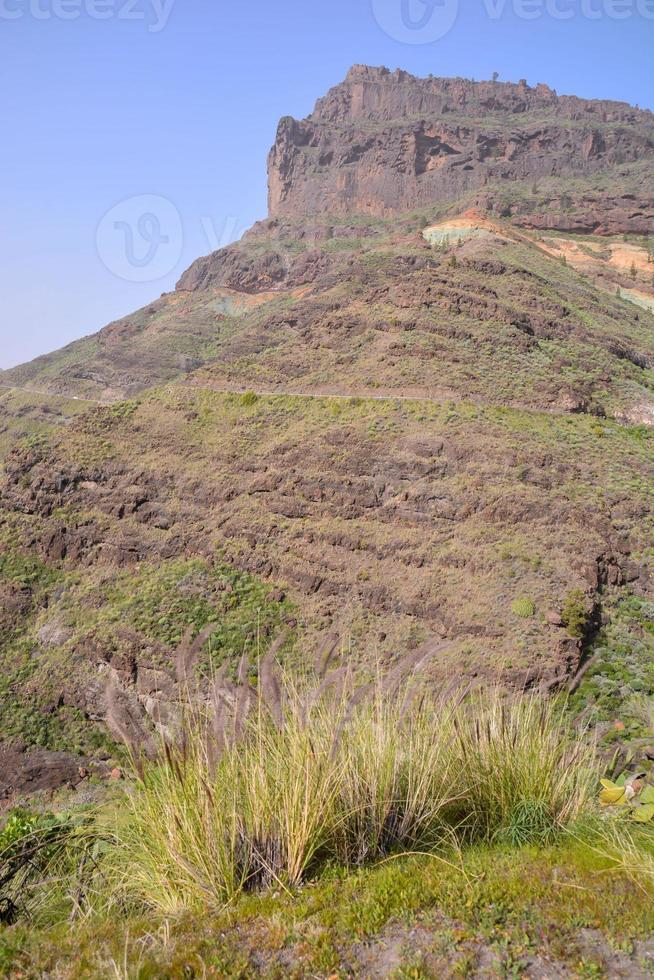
(535, 177)
(382, 143)
(412, 406)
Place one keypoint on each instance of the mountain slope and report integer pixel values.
(351, 188)
(495, 318)
(414, 406)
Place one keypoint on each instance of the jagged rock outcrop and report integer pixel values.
(381, 143)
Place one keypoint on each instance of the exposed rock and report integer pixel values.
(54, 633)
(382, 143)
(24, 772)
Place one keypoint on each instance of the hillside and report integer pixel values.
(413, 406)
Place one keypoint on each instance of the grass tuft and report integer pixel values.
(273, 781)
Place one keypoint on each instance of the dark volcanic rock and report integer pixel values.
(23, 773)
(381, 143)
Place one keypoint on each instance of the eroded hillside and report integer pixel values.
(414, 406)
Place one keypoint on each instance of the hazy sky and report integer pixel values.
(135, 132)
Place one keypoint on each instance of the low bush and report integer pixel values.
(524, 608)
(574, 614)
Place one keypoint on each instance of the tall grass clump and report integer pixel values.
(269, 779)
(398, 776)
(527, 772)
(174, 838)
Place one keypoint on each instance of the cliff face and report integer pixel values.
(382, 143)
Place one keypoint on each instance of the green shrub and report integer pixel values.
(524, 608)
(18, 825)
(42, 855)
(574, 614)
(249, 398)
(123, 410)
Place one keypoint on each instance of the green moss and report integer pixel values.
(508, 905)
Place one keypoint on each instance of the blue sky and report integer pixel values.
(173, 104)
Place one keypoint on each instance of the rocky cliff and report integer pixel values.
(382, 143)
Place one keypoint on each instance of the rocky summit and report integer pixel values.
(413, 408)
(382, 143)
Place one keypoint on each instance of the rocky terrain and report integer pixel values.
(382, 143)
(413, 406)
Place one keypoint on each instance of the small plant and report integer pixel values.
(524, 608)
(249, 398)
(574, 614)
(632, 793)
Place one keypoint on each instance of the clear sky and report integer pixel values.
(135, 132)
